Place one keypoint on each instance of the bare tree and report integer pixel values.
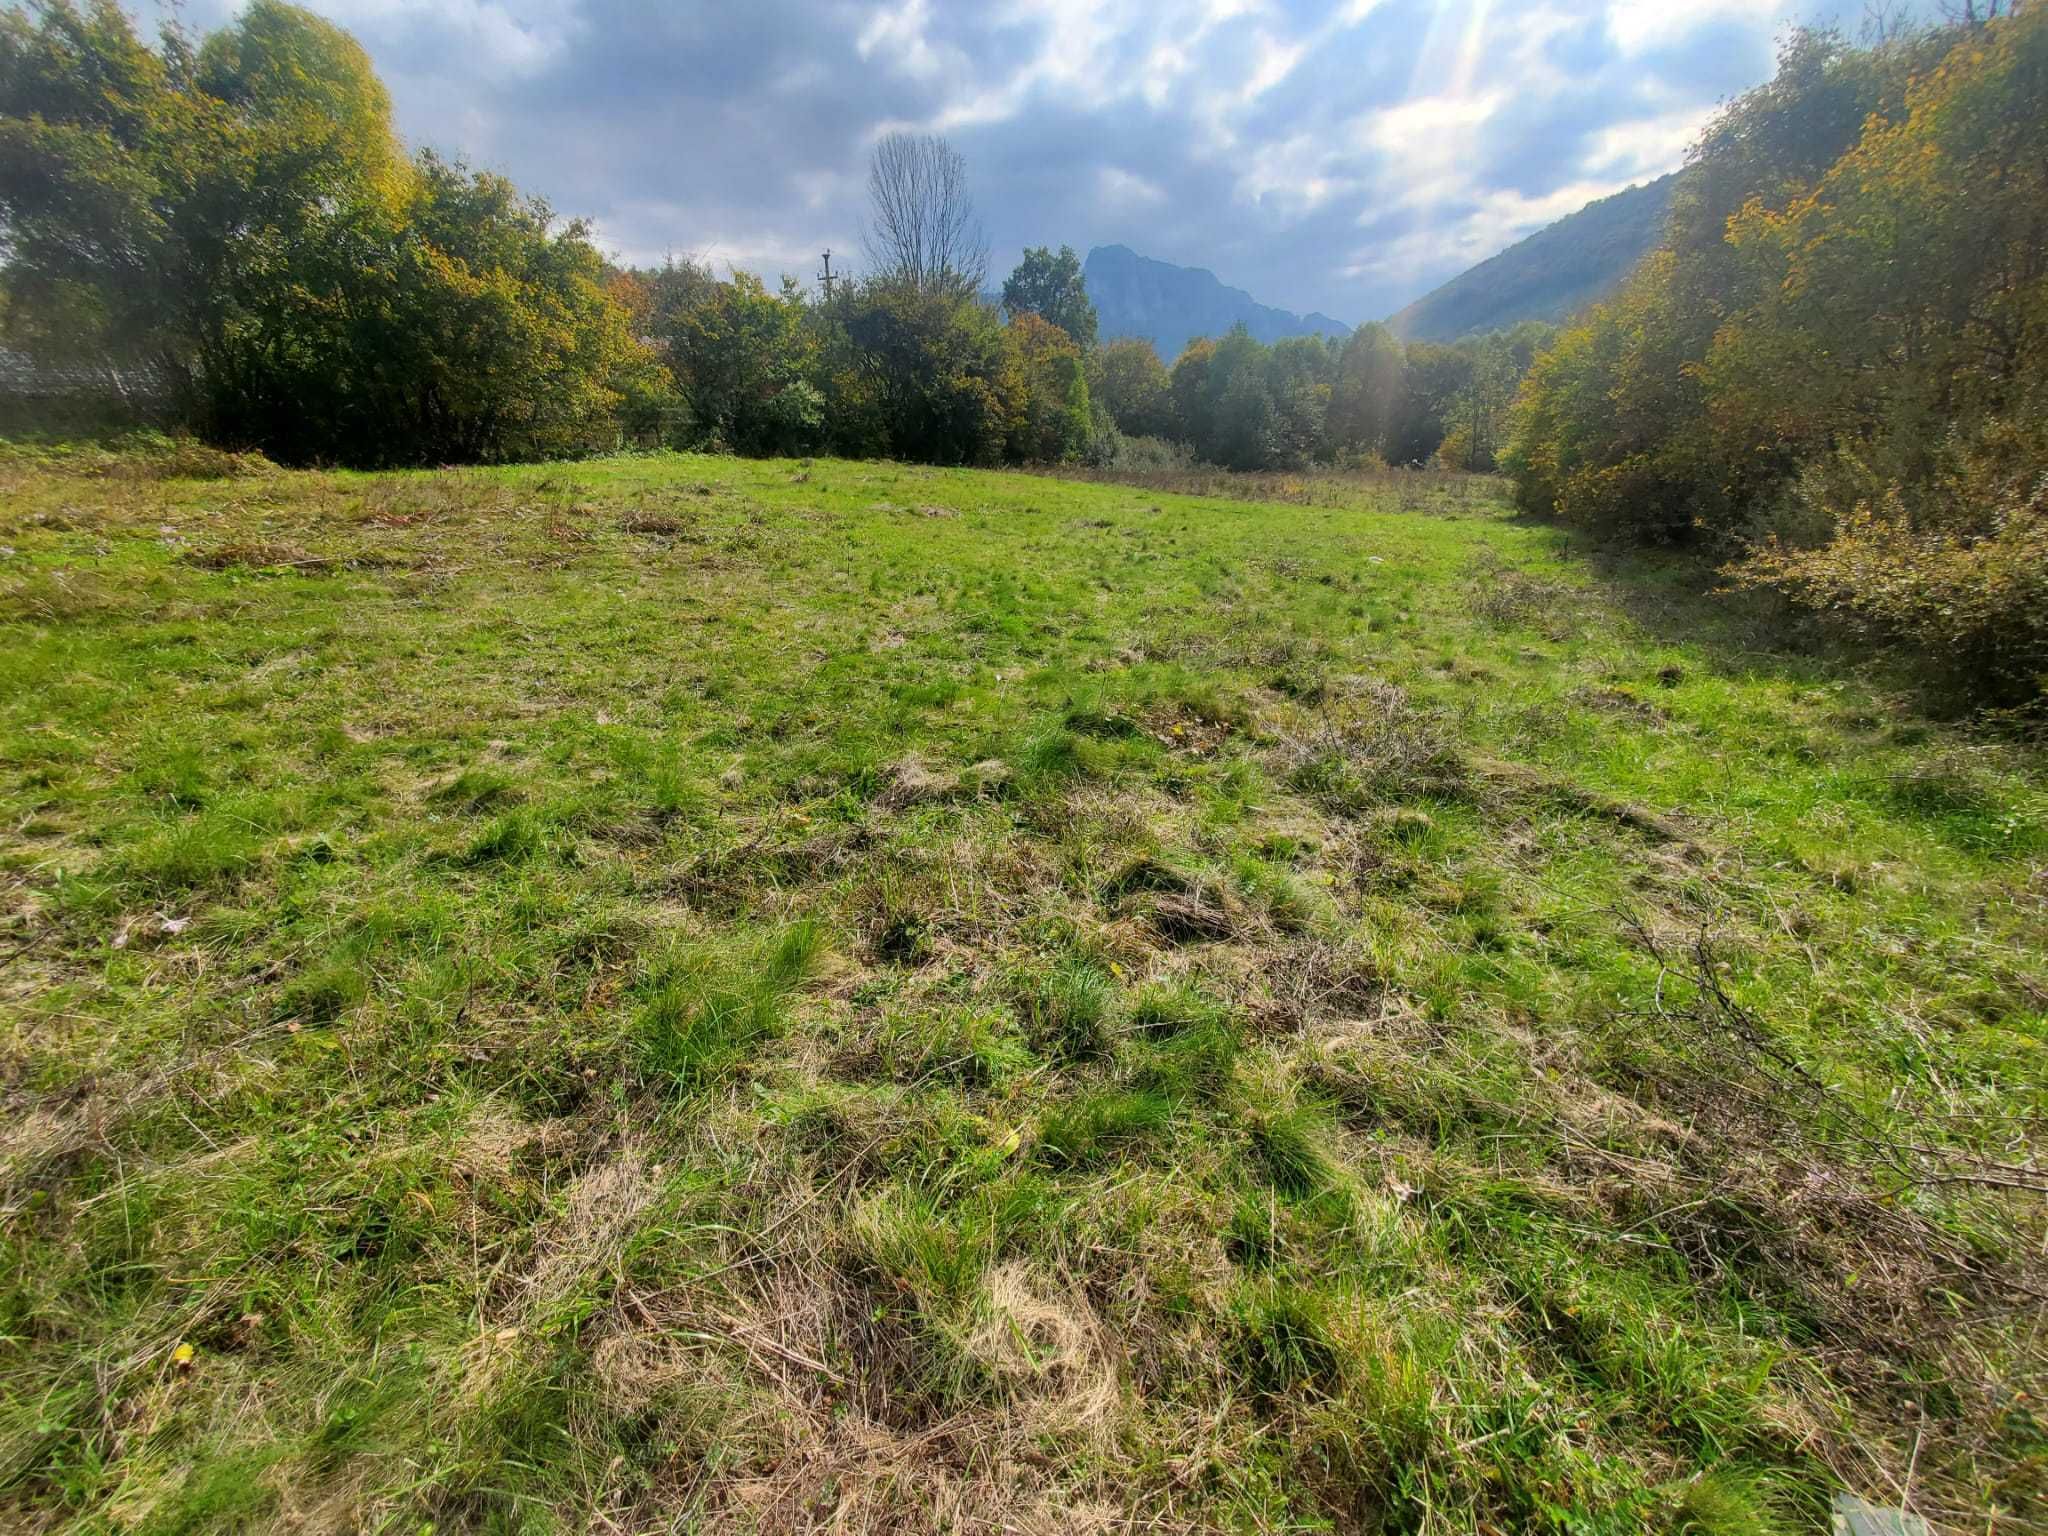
(921, 225)
(1886, 21)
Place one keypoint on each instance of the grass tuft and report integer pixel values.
(1064, 1008)
(1099, 1125)
(701, 1017)
(1284, 1342)
(1289, 1147)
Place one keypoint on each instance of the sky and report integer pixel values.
(1335, 155)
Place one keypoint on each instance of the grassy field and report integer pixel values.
(689, 994)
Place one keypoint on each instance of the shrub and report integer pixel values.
(1110, 449)
(1971, 597)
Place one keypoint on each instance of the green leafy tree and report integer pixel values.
(239, 213)
(1478, 417)
(924, 374)
(1432, 381)
(1609, 429)
(1050, 286)
(1243, 429)
(1299, 371)
(315, 120)
(1372, 371)
(1635, 445)
(1526, 341)
(103, 145)
(736, 350)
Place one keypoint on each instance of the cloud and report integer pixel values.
(1641, 26)
(501, 39)
(1645, 147)
(1122, 189)
(1341, 155)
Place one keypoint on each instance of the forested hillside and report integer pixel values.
(1834, 374)
(1551, 275)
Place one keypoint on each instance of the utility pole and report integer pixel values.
(827, 278)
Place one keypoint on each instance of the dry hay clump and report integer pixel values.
(856, 1475)
(1376, 747)
(602, 1211)
(1048, 1353)
(769, 1435)
(1514, 599)
(911, 781)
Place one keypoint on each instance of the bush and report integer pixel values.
(1110, 449)
(1970, 596)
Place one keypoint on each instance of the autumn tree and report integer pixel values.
(1895, 355)
(1834, 375)
(1193, 410)
(1052, 417)
(1132, 385)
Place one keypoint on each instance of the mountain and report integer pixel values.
(1549, 276)
(1170, 306)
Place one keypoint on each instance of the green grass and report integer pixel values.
(687, 994)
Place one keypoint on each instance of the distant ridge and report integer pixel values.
(1551, 275)
(1170, 306)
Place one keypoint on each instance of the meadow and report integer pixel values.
(683, 993)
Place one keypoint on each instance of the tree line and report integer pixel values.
(889, 366)
(234, 213)
(1832, 380)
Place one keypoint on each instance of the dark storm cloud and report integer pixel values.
(1324, 154)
